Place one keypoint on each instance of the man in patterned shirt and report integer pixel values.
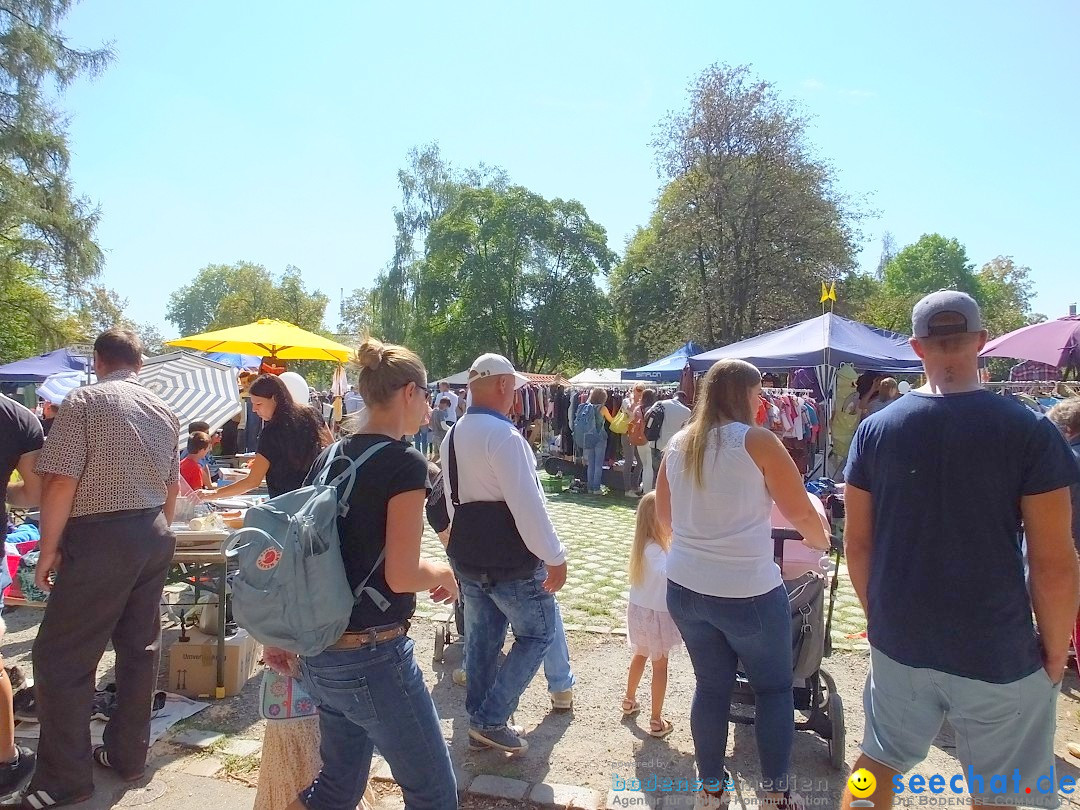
(110, 484)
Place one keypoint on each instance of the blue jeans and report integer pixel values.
(594, 462)
(372, 697)
(721, 633)
(557, 671)
(492, 692)
(420, 440)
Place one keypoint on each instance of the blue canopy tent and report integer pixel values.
(666, 369)
(827, 339)
(822, 343)
(36, 369)
(235, 360)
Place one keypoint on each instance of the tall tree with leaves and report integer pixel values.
(749, 223)
(430, 186)
(932, 263)
(46, 228)
(194, 307)
(223, 295)
(511, 272)
(354, 318)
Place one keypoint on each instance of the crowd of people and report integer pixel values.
(934, 513)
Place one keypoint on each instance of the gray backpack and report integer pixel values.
(291, 590)
(806, 596)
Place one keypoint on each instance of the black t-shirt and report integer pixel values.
(20, 433)
(278, 445)
(393, 470)
(947, 474)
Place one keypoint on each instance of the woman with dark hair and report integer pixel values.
(715, 489)
(291, 439)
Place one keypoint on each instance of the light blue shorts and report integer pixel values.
(1000, 728)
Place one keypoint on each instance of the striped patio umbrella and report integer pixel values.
(195, 388)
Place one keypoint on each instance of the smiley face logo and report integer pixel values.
(862, 783)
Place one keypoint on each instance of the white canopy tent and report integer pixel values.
(461, 378)
(598, 376)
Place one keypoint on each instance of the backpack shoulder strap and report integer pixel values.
(453, 469)
(334, 452)
(348, 475)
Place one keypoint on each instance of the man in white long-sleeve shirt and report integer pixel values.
(505, 551)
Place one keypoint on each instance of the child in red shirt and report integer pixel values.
(196, 475)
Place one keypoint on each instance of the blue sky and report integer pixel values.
(272, 131)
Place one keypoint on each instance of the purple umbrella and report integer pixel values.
(1056, 343)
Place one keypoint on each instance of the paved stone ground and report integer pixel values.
(598, 531)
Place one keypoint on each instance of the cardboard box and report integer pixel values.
(193, 664)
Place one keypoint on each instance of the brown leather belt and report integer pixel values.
(368, 638)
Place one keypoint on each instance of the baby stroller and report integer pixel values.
(814, 688)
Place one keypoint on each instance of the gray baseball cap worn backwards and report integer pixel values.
(951, 302)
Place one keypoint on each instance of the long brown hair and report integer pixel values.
(647, 530)
(725, 395)
(307, 435)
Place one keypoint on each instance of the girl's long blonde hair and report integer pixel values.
(725, 394)
(648, 530)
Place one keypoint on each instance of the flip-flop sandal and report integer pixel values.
(665, 728)
(43, 800)
(101, 757)
(634, 708)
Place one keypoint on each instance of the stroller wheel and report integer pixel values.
(440, 646)
(837, 739)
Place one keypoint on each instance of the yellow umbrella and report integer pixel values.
(279, 339)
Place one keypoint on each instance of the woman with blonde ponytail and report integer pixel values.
(368, 687)
(715, 490)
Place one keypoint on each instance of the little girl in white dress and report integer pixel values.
(650, 630)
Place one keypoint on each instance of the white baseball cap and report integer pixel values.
(493, 365)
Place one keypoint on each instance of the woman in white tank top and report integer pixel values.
(715, 488)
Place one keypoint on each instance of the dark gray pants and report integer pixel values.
(108, 587)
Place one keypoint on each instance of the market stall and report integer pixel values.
(826, 344)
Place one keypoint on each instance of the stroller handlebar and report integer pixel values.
(836, 543)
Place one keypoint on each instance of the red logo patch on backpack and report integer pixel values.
(268, 559)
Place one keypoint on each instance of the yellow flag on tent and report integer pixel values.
(824, 293)
(832, 292)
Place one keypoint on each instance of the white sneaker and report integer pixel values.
(562, 701)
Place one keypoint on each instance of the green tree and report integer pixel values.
(32, 320)
(48, 254)
(430, 186)
(1005, 290)
(296, 304)
(511, 272)
(646, 298)
(747, 226)
(102, 309)
(252, 295)
(194, 307)
(223, 295)
(355, 316)
(153, 340)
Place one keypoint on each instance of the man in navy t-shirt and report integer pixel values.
(939, 485)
